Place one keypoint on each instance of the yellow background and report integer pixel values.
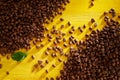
(78, 13)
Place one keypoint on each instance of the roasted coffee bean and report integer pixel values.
(97, 57)
(92, 20)
(84, 26)
(61, 19)
(7, 73)
(33, 57)
(0, 66)
(53, 65)
(62, 26)
(49, 48)
(42, 65)
(46, 53)
(46, 61)
(22, 21)
(40, 62)
(80, 29)
(69, 24)
(60, 60)
(53, 55)
(46, 71)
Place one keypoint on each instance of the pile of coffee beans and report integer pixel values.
(23, 20)
(96, 58)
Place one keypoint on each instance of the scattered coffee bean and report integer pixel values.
(61, 19)
(69, 24)
(40, 62)
(22, 21)
(33, 57)
(7, 73)
(88, 61)
(51, 78)
(46, 71)
(49, 48)
(46, 53)
(46, 61)
(64, 40)
(62, 26)
(42, 65)
(47, 78)
(60, 60)
(65, 45)
(0, 66)
(80, 29)
(92, 20)
(53, 65)
(53, 55)
(84, 26)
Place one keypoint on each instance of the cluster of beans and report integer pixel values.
(23, 20)
(98, 57)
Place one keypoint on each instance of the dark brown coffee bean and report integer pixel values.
(53, 55)
(88, 60)
(62, 26)
(46, 53)
(46, 61)
(47, 78)
(42, 65)
(92, 4)
(0, 66)
(64, 40)
(84, 26)
(24, 21)
(60, 60)
(33, 57)
(40, 62)
(92, 20)
(46, 71)
(69, 24)
(61, 19)
(49, 48)
(53, 65)
(7, 73)
(51, 78)
(80, 29)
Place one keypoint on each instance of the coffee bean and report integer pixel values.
(61, 19)
(33, 57)
(88, 60)
(46, 71)
(53, 55)
(92, 20)
(69, 24)
(47, 78)
(84, 26)
(60, 60)
(42, 65)
(40, 62)
(7, 73)
(24, 21)
(46, 61)
(62, 26)
(46, 53)
(53, 65)
(49, 48)
(0, 66)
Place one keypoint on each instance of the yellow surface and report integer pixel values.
(78, 13)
